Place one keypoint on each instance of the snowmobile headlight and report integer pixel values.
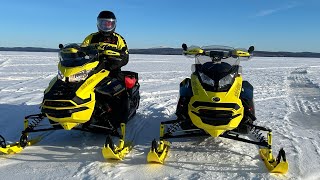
(82, 75)
(61, 76)
(205, 79)
(226, 81)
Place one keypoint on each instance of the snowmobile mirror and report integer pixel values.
(184, 47)
(251, 49)
(60, 46)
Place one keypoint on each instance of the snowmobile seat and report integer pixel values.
(111, 89)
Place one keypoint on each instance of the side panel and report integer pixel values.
(185, 88)
(51, 84)
(88, 86)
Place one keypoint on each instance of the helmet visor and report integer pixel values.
(106, 25)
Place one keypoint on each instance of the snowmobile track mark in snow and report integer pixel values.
(304, 92)
(304, 96)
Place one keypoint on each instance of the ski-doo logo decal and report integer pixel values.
(86, 84)
(215, 99)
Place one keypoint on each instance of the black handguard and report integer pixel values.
(116, 62)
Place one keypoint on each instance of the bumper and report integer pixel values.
(67, 112)
(215, 118)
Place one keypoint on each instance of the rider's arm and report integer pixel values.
(117, 63)
(86, 42)
(122, 45)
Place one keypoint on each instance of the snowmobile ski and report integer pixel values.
(278, 165)
(111, 151)
(272, 164)
(158, 153)
(14, 148)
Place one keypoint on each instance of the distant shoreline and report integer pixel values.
(172, 51)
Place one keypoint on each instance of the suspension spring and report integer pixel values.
(34, 123)
(258, 134)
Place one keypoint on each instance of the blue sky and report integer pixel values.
(273, 25)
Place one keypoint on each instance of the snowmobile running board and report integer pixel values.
(277, 165)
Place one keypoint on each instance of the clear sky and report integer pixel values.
(273, 25)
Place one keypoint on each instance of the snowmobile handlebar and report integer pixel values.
(218, 53)
(106, 48)
(99, 52)
(94, 50)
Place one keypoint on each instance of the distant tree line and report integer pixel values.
(178, 51)
(28, 49)
(171, 51)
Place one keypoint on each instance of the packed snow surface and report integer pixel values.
(287, 100)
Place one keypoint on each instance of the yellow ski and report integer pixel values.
(272, 164)
(111, 151)
(16, 147)
(158, 154)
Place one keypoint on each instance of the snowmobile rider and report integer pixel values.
(106, 24)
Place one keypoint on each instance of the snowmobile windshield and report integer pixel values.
(216, 67)
(73, 61)
(72, 55)
(217, 54)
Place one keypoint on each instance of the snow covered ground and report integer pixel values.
(287, 99)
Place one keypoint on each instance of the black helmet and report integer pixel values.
(106, 22)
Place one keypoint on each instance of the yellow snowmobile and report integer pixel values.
(216, 102)
(85, 96)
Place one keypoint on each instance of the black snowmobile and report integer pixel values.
(85, 96)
